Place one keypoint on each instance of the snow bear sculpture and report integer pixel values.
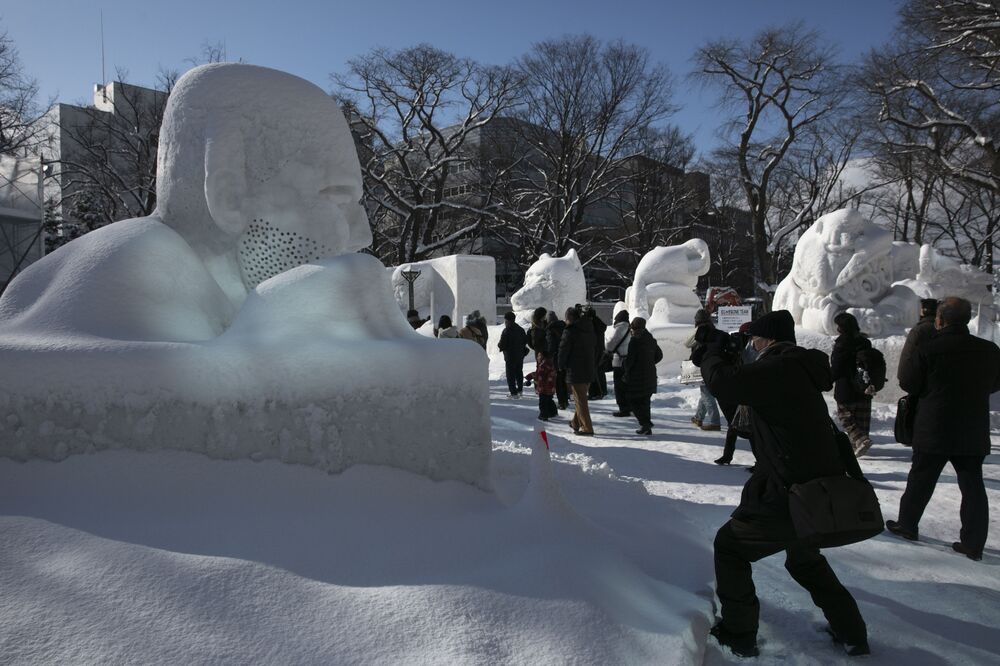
(238, 320)
(555, 284)
(844, 262)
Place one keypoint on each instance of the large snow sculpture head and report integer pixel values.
(258, 172)
(844, 262)
(553, 283)
(665, 280)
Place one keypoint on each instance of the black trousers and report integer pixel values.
(739, 543)
(599, 387)
(562, 392)
(547, 406)
(515, 375)
(639, 402)
(920, 483)
(621, 392)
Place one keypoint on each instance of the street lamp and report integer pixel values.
(410, 277)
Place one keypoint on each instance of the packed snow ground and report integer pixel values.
(169, 557)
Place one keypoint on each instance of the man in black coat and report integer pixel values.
(553, 336)
(793, 440)
(952, 375)
(599, 387)
(576, 357)
(514, 345)
(639, 373)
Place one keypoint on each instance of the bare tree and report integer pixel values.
(20, 131)
(418, 114)
(585, 105)
(107, 165)
(942, 76)
(656, 201)
(778, 85)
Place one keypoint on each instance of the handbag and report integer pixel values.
(906, 411)
(835, 511)
(606, 362)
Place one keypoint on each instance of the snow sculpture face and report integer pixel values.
(844, 262)
(552, 283)
(258, 172)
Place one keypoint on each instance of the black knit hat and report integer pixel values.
(777, 325)
(702, 317)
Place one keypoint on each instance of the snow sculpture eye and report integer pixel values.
(266, 250)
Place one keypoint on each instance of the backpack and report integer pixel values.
(871, 369)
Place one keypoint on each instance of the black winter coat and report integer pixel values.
(791, 431)
(705, 335)
(953, 375)
(923, 331)
(844, 367)
(639, 367)
(599, 329)
(513, 343)
(553, 336)
(536, 340)
(576, 352)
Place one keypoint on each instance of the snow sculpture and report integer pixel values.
(844, 262)
(662, 292)
(454, 285)
(665, 280)
(939, 276)
(555, 284)
(237, 320)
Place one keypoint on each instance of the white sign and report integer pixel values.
(731, 317)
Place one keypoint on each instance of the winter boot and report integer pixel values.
(742, 645)
(973, 555)
(857, 649)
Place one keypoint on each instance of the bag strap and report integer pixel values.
(615, 350)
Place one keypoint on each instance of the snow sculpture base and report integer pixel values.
(317, 368)
(454, 285)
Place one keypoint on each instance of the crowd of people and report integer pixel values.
(771, 392)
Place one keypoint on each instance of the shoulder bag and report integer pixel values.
(836, 510)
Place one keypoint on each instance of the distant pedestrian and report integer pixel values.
(576, 357)
(445, 328)
(921, 332)
(544, 378)
(480, 322)
(706, 415)
(471, 331)
(413, 317)
(618, 345)
(854, 405)
(514, 346)
(599, 387)
(639, 372)
(553, 336)
(737, 416)
(537, 332)
(952, 374)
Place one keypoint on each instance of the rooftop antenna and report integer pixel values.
(104, 78)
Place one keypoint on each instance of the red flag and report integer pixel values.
(545, 438)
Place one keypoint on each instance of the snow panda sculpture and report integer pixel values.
(238, 320)
(554, 283)
(844, 262)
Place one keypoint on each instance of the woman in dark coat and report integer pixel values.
(854, 406)
(554, 328)
(640, 373)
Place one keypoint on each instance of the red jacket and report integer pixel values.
(544, 376)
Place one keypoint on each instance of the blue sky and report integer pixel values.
(59, 40)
